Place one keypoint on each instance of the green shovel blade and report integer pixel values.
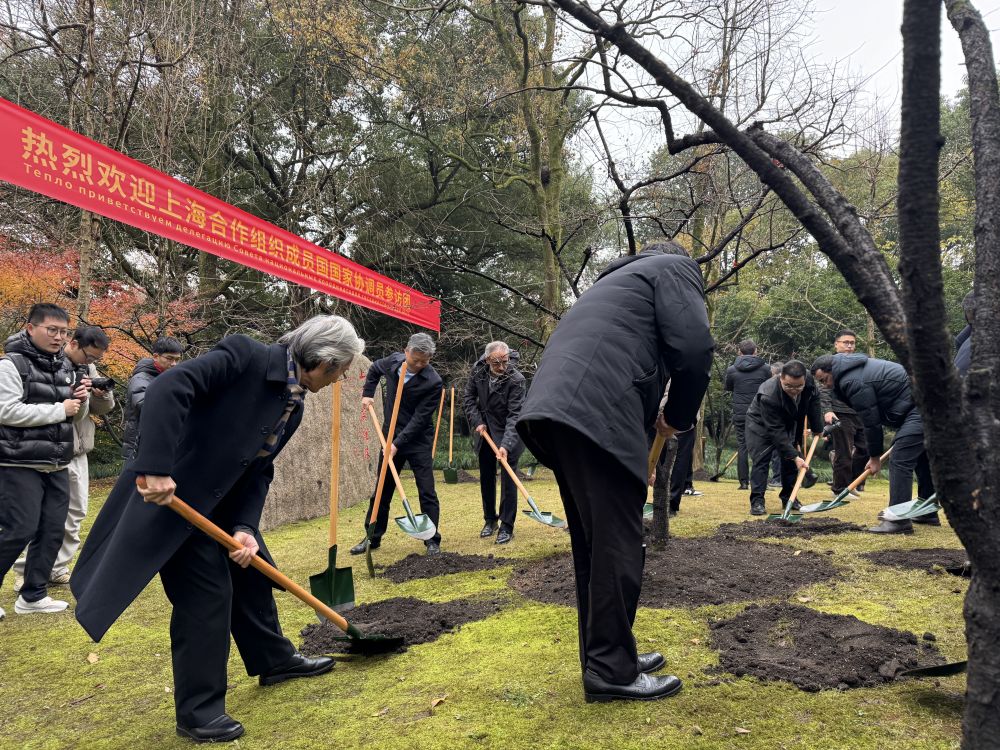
(451, 475)
(823, 506)
(547, 518)
(334, 586)
(418, 526)
(914, 508)
(791, 517)
(647, 510)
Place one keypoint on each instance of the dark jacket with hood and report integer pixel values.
(774, 417)
(414, 426)
(498, 408)
(743, 378)
(963, 351)
(203, 423)
(45, 379)
(142, 376)
(878, 390)
(605, 367)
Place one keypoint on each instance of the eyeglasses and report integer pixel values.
(53, 331)
(175, 358)
(91, 358)
(494, 361)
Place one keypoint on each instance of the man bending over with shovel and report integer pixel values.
(592, 403)
(211, 428)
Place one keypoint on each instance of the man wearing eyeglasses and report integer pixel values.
(775, 424)
(167, 353)
(40, 399)
(493, 396)
(850, 450)
(88, 346)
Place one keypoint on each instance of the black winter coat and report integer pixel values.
(774, 417)
(414, 426)
(605, 367)
(142, 376)
(963, 351)
(878, 390)
(203, 423)
(498, 410)
(743, 378)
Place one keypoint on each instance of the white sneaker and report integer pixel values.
(44, 605)
(18, 583)
(2, 613)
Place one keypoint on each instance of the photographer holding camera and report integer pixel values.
(88, 346)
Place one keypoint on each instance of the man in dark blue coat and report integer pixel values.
(414, 436)
(590, 407)
(879, 391)
(743, 378)
(211, 428)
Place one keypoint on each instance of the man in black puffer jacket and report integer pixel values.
(743, 378)
(879, 391)
(166, 353)
(40, 395)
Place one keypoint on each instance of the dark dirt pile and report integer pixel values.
(804, 529)
(416, 566)
(931, 559)
(814, 650)
(414, 620)
(708, 570)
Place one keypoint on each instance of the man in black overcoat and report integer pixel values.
(879, 391)
(493, 397)
(743, 378)
(211, 428)
(591, 405)
(414, 436)
(775, 424)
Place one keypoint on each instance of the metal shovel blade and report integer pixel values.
(647, 510)
(334, 586)
(450, 475)
(914, 508)
(791, 518)
(823, 506)
(547, 518)
(420, 527)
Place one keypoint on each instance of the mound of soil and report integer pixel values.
(931, 559)
(814, 650)
(413, 620)
(804, 529)
(416, 566)
(695, 572)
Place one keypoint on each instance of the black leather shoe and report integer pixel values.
(645, 688)
(651, 662)
(361, 547)
(433, 548)
(892, 527)
(744, 486)
(931, 519)
(504, 536)
(297, 666)
(758, 509)
(488, 530)
(222, 728)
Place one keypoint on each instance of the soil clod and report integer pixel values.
(816, 651)
(417, 566)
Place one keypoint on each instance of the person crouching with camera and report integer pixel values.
(88, 345)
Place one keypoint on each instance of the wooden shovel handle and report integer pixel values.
(451, 427)
(392, 434)
(392, 466)
(865, 474)
(654, 453)
(195, 518)
(803, 470)
(503, 461)
(437, 426)
(335, 464)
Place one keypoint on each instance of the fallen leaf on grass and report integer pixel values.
(741, 730)
(797, 553)
(80, 700)
(696, 730)
(92, 658)
(695, 641)
(438, 701)
(381, 713)
(805, 599)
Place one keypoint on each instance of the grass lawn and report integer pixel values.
(511, 681)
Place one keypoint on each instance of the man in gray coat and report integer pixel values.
(493, 396)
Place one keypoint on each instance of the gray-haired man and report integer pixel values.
(414, 430)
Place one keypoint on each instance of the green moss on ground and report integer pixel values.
(511, 681)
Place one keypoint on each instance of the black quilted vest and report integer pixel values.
(47, 379)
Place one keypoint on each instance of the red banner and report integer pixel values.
(38, 154)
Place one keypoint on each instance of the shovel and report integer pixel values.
(334, 586)
(786, 514)
(654, 455)
(913, 509)
(437, 426)
(451, 472)
(370, 529)
(359, 643)
(716, 477)
(418, 526)
(547, 518)
(841, 498)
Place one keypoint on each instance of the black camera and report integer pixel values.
(102, 384)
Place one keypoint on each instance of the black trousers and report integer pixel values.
(33, 507)
(488, 487)
(421, 464)
(909, 457)
(213, 598)
(603, 504)
(742, 454)
(681, 473)
(762, 451)
(850, 451)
